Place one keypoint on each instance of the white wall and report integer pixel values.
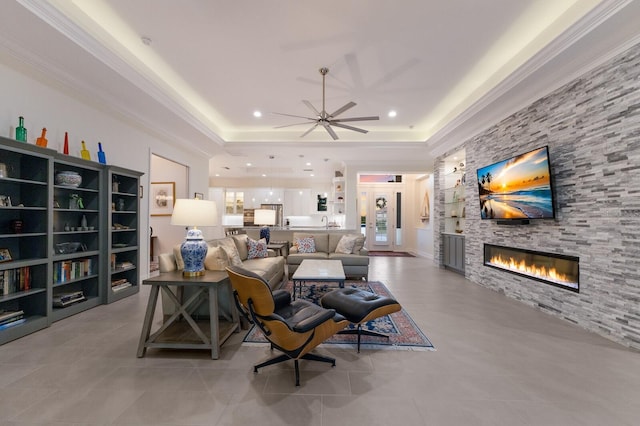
(45, 104)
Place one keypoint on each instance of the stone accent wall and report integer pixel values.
(592, 128)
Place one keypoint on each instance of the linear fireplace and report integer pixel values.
(554, 269)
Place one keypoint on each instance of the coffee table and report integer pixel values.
(318, 270)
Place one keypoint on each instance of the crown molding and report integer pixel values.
(60, 22)
(87, 94)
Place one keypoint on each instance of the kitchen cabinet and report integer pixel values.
(297, 202)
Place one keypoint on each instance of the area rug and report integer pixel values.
(390, 254)
(403, 332)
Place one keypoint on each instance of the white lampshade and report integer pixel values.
(191, 212)
(264, 217)
(194, 249)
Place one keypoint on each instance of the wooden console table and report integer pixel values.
(189, 334)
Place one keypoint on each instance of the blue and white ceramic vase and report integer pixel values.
(193, 251)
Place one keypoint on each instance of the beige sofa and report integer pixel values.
(270, 268)
(355, 264)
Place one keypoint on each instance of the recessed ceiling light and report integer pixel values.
(392, 113)
(308, 164)
(217, 174)
(312, 175)
(248, 164)
(263, 175)
(257, 114)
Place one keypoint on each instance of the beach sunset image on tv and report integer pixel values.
(517, 188)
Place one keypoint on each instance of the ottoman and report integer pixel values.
(358, 307)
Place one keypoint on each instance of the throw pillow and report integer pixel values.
(306, 245)
(216, 259)
(232, 255)
(229, 246)
(359, 244)
(256, 249)
(178, 256)
(346, 244)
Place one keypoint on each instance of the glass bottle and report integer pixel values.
(102, 159)
(21, 132)
(84, 152)
(42, 140)
(65, 150)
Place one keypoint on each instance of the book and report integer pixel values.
(7, 315)
(65, 303)
(118, 282)
(12, 319)
(11, 324)
(122, 286)
(65, 299)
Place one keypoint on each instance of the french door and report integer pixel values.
(377, 219)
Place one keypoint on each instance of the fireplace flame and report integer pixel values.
(550, 274)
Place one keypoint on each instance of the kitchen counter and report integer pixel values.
(296, 228)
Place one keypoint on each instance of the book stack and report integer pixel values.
(124, 265)
(120, 284)
(11, 318)
(14, 280)
(62, 300)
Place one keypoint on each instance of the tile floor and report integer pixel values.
(498, 362)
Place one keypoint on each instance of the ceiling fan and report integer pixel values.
(322, 118)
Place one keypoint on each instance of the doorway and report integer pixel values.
(163, 236)
(381, 218)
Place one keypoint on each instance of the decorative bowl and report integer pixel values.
(68, 178)
(65, 248)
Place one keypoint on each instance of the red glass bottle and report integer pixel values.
(65, 150)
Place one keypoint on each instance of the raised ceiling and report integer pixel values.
(196, 71)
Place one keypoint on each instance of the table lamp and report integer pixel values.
(264, 218)
(187, 212)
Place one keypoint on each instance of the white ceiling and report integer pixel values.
(449, 69)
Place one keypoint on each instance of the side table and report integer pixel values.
(189, 334)
(280, 247)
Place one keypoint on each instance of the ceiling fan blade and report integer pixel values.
(311, 107)
(344, 126)
(289, 125)
(343, 109)
(342, 120)
(329, 130)
(309, 131)
(292, 115)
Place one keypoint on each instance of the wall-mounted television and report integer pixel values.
(518, 188)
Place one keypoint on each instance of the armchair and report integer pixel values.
(293, 327)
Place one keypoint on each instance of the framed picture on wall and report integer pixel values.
(163, 197)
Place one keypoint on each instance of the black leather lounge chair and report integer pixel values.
(292, 327)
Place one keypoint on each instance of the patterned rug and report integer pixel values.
(403, 333)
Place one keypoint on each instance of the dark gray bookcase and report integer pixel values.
(42, 235)
(25, 194)
(122, 188)
(76, 254)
